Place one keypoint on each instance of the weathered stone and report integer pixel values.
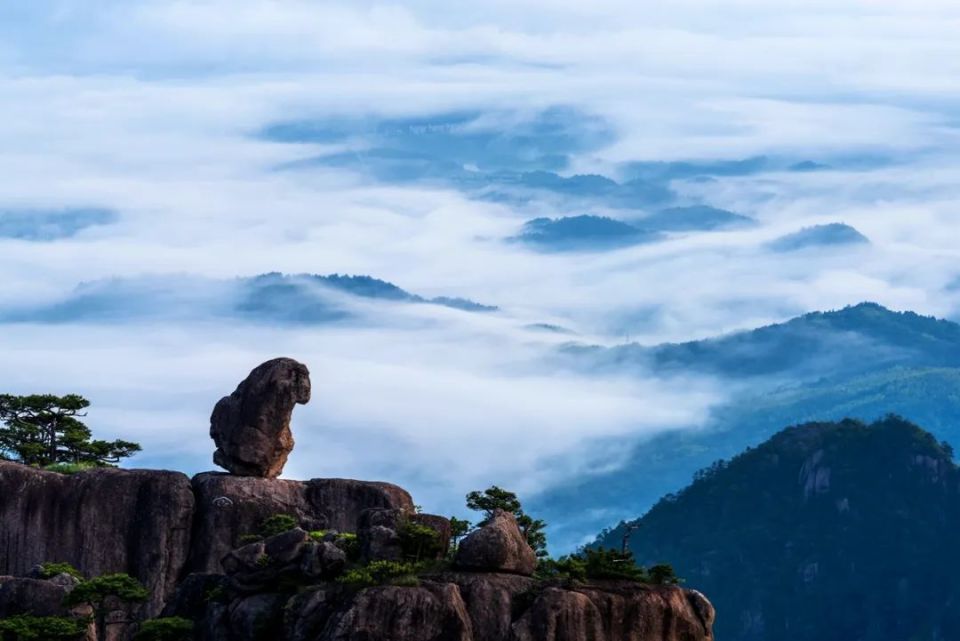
(257, 618)
(491, 600)
(432, 612)
(64, 580)
(251, 426)
(498, 546)
(286, 547)
(307, 613)
(289, 556)
(378, 535)
(628, 610)
(243, 559)
(31, 596)
(195, 595)
(322, 560)
(100, 521)
(230, 506)
(561, 615)
(120, 619)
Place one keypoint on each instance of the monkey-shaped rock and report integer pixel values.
(251, 427)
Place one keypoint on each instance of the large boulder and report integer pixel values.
(251, 427)
(229, 507)
(100, 521)
(615, 610)
(432, 612)
(257, 618)
(291, 557)
(37, 597)
(497, 546)
(562, 615)
(492, 601)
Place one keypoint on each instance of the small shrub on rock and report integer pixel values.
(31, 628)
(270, 526)
(249, 538)
(216, 594)
(346, 541)
(71, 468)
(418, 541)
(49, 570)
(566, 568)
(165, 629)
(94, 591)
(382, 573)
(277, 524)
(663, 574)
(602, 563)
(350, 544)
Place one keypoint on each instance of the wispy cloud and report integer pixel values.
(156, 110)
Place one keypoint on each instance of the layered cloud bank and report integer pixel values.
(731, 158)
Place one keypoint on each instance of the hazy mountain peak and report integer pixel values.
(831, 234)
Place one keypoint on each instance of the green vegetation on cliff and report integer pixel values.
(826, 531)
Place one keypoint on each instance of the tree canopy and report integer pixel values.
(494, 498)
(45, 429)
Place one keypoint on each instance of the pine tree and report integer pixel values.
(44, 429)
(497, 498)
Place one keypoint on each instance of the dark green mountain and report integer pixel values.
(826, 531)
(862, 362)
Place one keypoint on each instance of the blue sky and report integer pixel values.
(165, 113)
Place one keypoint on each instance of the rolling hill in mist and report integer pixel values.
(825, 531)
(860, 362)
(266, 298)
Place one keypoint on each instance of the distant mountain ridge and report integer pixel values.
(581, 232)
(271, 297)
(825, 531)
(802, 345)
(863, 362)
(45, 225)
(830, 235)
(594, 233)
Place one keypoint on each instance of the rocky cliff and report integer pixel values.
(346, 561)
(100, 521)
(157, 525)
(183, 541)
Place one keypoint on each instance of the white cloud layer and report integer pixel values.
(149, 108)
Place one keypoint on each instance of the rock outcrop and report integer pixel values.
(32, 596)
(498, 546)
(251, 426)
(100, 521)
(456, 606)
(615, 610)
(355, 562)
(228, 507)
(292, 557)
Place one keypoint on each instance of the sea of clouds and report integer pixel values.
(155, 112)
